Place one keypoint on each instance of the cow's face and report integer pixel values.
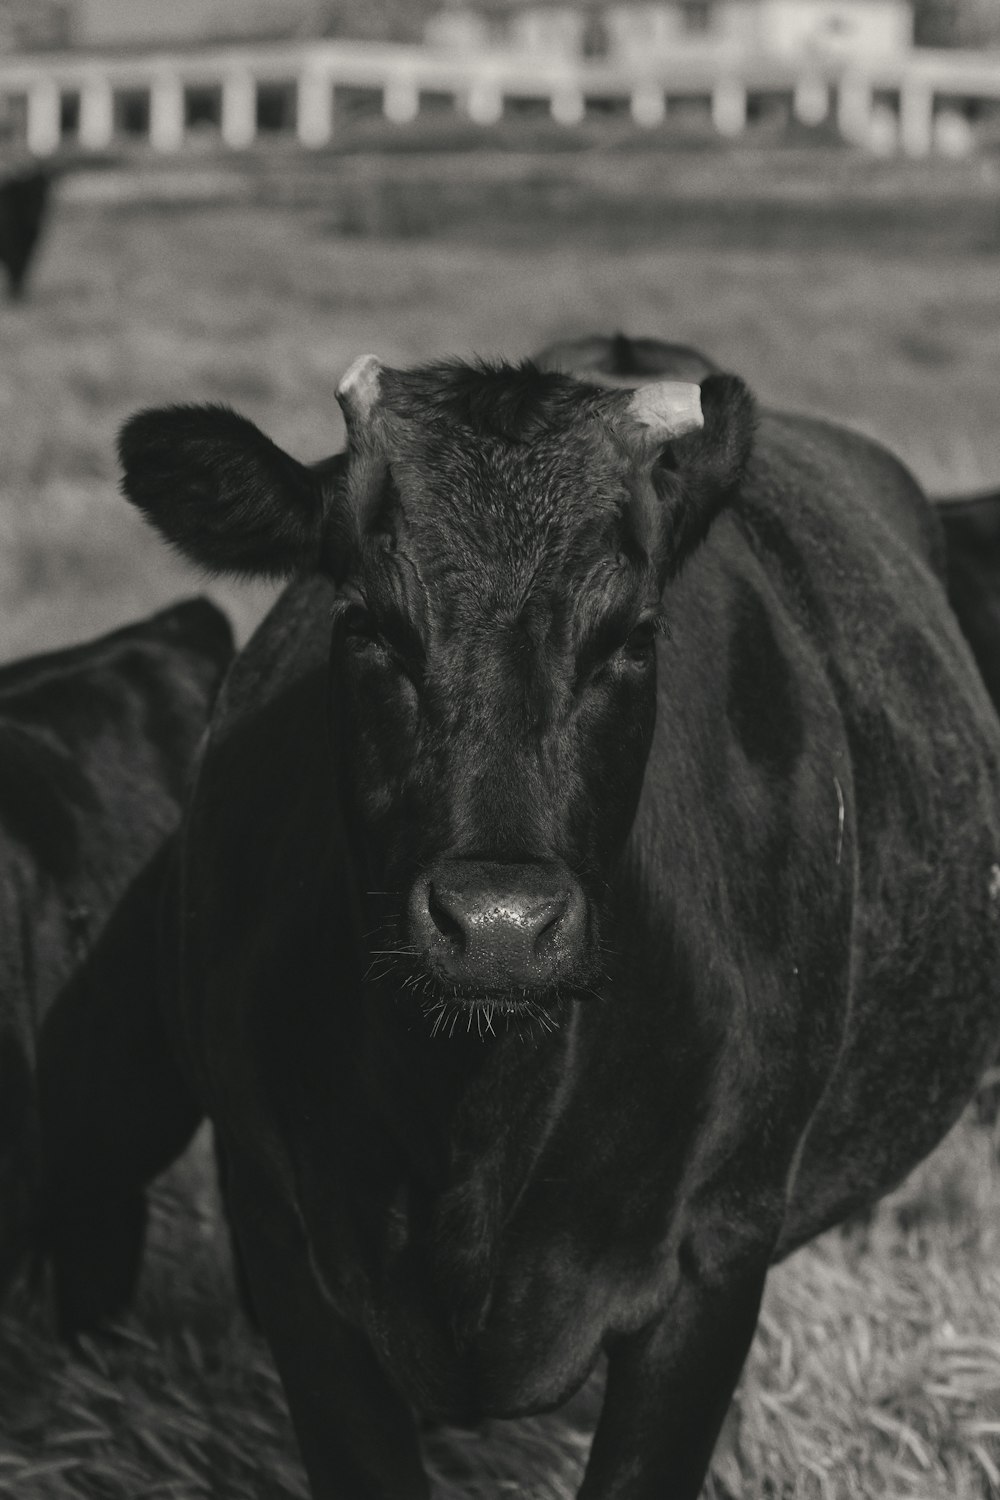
(501, 541)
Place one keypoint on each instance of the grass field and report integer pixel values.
(876, 1370)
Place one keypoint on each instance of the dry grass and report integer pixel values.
(876, 1370)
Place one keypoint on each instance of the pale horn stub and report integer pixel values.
(667, 408)
(358, 390)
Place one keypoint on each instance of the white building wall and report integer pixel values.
(457, 31)
(828, 28)
(148, 23)
(555, 32)
(738, 23)
(639, 33)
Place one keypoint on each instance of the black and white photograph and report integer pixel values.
(499, 749)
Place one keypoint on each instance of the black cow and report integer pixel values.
(24, 200)
(97, 748)
(591, 890)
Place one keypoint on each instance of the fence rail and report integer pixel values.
(917, 102)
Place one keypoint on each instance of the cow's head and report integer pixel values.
(501, 540)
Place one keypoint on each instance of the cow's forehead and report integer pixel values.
(498, 485)
(489, 432)
(508, 520)
(556, 481)
(467, 562)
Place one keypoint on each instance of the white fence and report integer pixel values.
(917, 102)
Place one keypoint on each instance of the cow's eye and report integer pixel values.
(379, 647)
(359, 625)
(640, 647)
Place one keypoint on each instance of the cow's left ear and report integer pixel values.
(699, 440)
(223, 493)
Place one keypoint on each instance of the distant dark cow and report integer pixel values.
(97, 747)
(591, 890)
(23, 204)
(620, 360)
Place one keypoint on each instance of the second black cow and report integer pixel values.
(591, 890)
(97, 749)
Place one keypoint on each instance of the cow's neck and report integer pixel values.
(459, 1105)
(469, 1120)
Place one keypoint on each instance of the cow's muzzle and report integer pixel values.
(488, 928)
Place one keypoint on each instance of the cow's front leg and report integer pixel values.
(669, 1387)
(357, 1436)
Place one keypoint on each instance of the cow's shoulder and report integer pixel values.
(267, 877)
(290, 644)
(101, 737)
(265, 788)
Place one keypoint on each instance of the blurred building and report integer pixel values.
(647, 29)
(33, 25)
(38, 25)
(625, 29)
(842, 28)
(957, 23)
(151, 23)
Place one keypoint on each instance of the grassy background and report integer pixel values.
(861, 290)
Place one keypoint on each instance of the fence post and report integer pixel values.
(811, 99)
(97, 121)
(484, 101)
(400, 100)
(314, 113)
(166, 113)
(916, 117)
(567, 105)
(729, 107)
(648, 105)
(43, 117)
(239, 110)
(953, 134)
(854, 108)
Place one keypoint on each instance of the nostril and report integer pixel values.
(560, 937)
(445, 921)
(548, 928)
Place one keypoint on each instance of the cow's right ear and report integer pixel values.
(223, 493)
